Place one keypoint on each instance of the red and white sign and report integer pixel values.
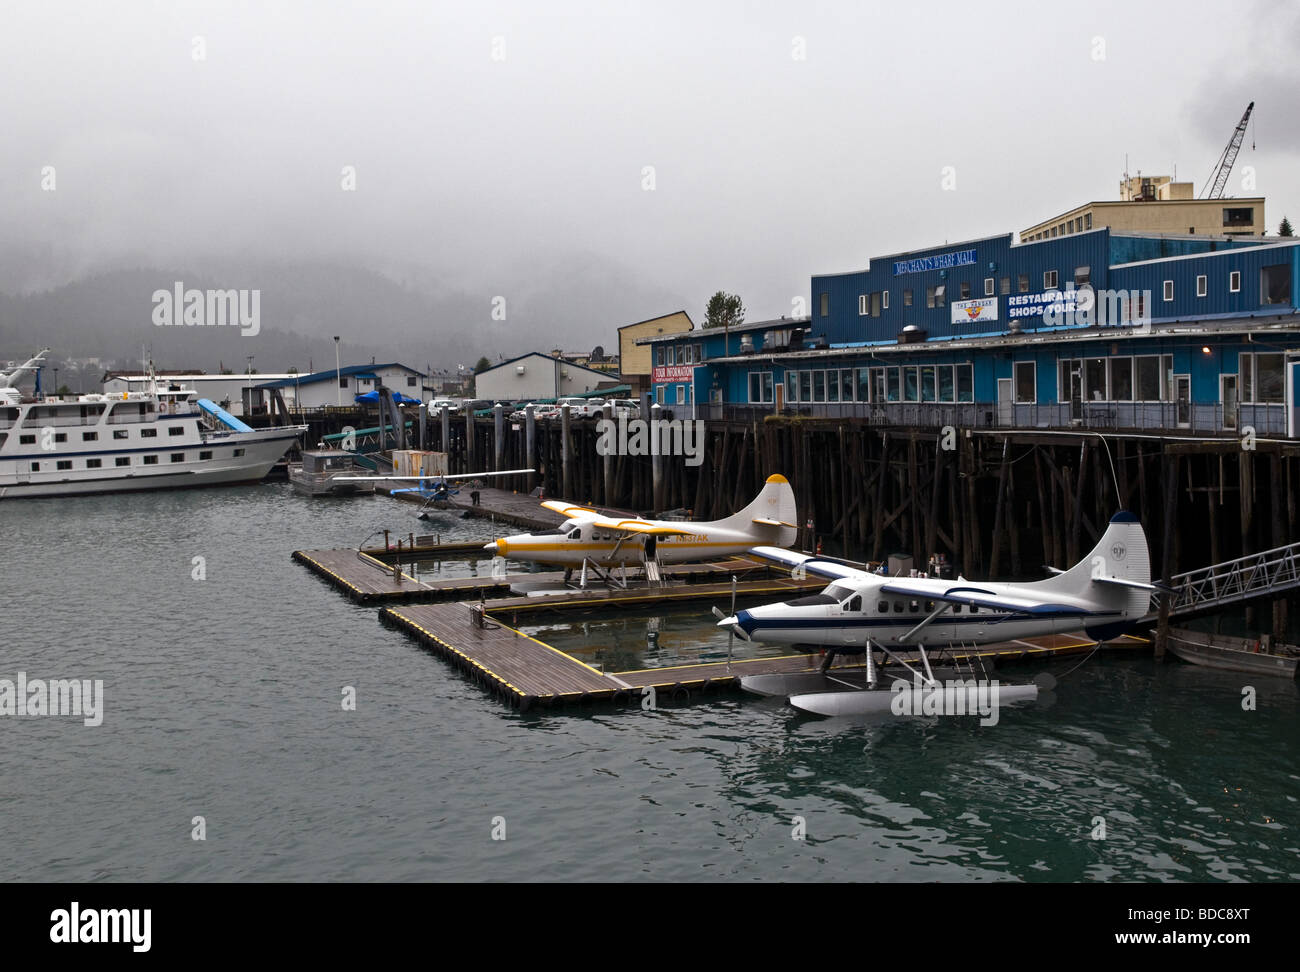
(672, 373)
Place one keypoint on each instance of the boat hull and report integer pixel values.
(1201, 650)
(261, 450)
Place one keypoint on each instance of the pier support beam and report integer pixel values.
(566, 452)
(609, 459)
(498, 437)
(446, 434)
(471, 463)
(656, 462)
(530, 444)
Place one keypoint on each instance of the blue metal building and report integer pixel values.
(1096, 329)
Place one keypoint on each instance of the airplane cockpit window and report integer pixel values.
(575, 533)
(854, 603)
(838, 591)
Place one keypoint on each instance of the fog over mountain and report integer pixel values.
(384, 172)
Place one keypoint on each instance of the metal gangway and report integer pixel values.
(1266, 574)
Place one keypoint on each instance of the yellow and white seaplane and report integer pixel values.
(593, 540)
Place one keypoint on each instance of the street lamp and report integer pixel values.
(338, 375)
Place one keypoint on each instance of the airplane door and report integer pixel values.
(850, 611)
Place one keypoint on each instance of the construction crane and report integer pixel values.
(1219, 177)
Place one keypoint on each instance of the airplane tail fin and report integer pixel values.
(773, 515)
(1118, 569)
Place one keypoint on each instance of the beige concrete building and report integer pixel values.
(635, 362)
(1157, 204)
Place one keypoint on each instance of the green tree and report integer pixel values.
(1284, 228)
(724, 310)
(482, 365)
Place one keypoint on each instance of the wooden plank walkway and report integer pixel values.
(526, 672)
(368, 580)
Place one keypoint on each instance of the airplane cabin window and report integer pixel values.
(898, 607)
(974, 609)
(914, 606)
(929, 606)
(883, 607)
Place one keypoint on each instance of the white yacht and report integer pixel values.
(164, 438)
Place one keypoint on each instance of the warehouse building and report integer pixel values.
(1096, 329)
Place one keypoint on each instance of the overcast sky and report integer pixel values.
(487, 138)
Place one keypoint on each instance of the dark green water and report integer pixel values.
(223, 700)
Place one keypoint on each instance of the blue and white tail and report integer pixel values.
(1116, 573)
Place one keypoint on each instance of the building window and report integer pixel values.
(178, 457)
(343, 381)
(940, 300)
(907, 298)
(27, 439)
(825, 301)
(1238, 216)
(60, 437)
(89, 436)
(1094, 380)
(1148, 378)
(206, 454)
(1006, 285)
(964, 289)
(239, 453)
(1049, 279)
(1169, 290)
(1026, 382)
(94, 463)
(410, 381)
(1022, 283)
(659, 394)
(122, 461)
(862, 305)
(120, 433)
(681, 394)
(965, 382)
(176, 430)
(659, 357)
(929, 296)
(1087, 221)
(151, 460)
(989, 284)
(1234, 281)
(884, 299)
(63, 464)
(1082, 276)
(1202, 285)
(760, 387)
(1121, 379)
(875, 304)
(1262, 378)
(1275, 284)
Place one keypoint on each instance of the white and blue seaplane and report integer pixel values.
(1105, 594)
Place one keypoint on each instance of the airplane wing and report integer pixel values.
(978, 597)
(567, 509)
(432, 478)
(641, 527)
(813, 565)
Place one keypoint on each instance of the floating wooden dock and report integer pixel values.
(368, 580)
(525, 672)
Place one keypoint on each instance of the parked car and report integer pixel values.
(626, 406)
(582, 407)
(452, 405)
